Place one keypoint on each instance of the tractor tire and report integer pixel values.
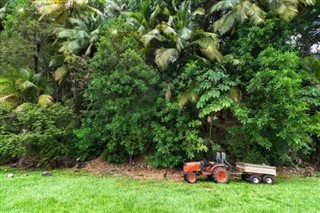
(185, 177)
(221, 175)
(255, 179)
(268, 179)
(191, 177)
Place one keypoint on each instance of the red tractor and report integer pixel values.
(217, 171)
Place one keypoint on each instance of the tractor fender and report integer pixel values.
(215, 166)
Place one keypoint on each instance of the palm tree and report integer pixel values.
(77, 40)
(146, 18)
(61, 10)
(24, 86)
(178, 32)
(239, 11)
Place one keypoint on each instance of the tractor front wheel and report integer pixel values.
(191, 177)
(221, 175)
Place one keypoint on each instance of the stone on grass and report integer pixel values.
(26, 175)
(10, 175)
(46, 174)
(5, 170)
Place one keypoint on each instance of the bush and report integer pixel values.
(37, 135)
(120, 101)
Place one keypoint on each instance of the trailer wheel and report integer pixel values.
(221, 175)
(268, 179)
(245, 177)
(191, 177)
(255, 179)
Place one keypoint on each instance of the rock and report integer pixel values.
(10, 175)
(5, 170)
(46, 174)
(77, 170)
(26, 175)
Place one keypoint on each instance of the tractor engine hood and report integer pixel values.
(191, 166)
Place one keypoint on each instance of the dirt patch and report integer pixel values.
(144, 171)
(138, 171)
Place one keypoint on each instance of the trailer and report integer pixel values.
(256, 173)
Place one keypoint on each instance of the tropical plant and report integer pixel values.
(239, 11)
(145, 18)
(37, 135)
(120, 120)
(75, 41)
(24, 86)
(24, 40)
(64, 9)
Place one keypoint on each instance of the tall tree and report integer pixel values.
(24, 40)
(239, 11)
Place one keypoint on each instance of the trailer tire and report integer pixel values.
(255, 179)
(268, 179)
(245, 177)
(221, 175)
(191, 177)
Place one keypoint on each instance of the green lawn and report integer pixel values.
(66, 191)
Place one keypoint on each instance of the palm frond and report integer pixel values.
(242, 10)
(257, 14)
(60, 73)
(10, 99)
(56, 60)
(45, 100)
(235, 94)
(67, 33)
(185, 33)
(286, 9)
(3, 12)
(165, 56)
(308, 2)
(25, 74)
(168, 30)
(209, 46)
(47, 9)
(79, 23)
(25, 85)
(6, 87)
(224, 24)
(224, 5)
(312, 65)
(153, 34)
(154, 15)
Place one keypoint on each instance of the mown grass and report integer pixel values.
(66, 191)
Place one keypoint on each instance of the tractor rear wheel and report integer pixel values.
(268, 179)
(191, 177)
(221, 175)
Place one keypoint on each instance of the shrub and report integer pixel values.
(37, 134)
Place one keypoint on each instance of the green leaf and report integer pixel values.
(165, 56)
(60, 73)
(45, 100)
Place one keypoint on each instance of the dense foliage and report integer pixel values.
(162, 81)
(36, 135)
